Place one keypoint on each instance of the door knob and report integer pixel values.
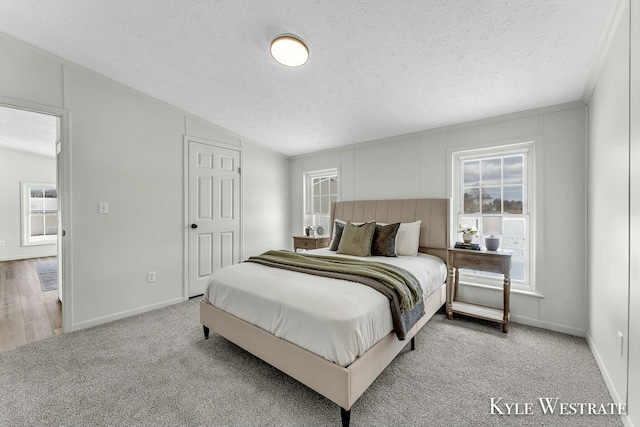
(194, 225)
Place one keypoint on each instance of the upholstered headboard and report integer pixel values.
(434, 214)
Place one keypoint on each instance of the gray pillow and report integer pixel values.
(338, 227)
(356, 239)
(384, 240)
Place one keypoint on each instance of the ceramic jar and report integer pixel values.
(492, 242)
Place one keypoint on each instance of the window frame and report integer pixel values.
(530, 205)
(309, 198)
(25, 223)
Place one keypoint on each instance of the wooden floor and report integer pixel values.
(27, 313)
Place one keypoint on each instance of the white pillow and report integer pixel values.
(408, 238)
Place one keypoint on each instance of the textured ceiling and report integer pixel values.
(376, 69)
(27, 131)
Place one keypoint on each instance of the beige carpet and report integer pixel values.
(156, 369)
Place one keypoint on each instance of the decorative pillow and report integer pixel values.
(338, 228)
(408, 238)
(356, 239)
(384, 240)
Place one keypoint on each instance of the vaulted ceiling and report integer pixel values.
(376, 68)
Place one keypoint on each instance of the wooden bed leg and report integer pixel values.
(206, 332)
(345, 416)
(413, 343)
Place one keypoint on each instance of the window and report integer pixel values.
(321, 190)
(39, 214)
(493, 191)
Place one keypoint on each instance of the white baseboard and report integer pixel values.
(110, 318)
(548, 325)
(626, 420)
(21, 257)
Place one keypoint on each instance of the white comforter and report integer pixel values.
(336, 319)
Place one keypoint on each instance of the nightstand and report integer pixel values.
(491, 261)
(306, 242)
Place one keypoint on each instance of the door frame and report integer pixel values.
(185, 201)
(64, 187)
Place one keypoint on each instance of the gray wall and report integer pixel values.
(16, 167)
(126, 149)
(633, 376)
(614, 184)
(418, 166)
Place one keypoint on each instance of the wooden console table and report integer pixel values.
(491, 261)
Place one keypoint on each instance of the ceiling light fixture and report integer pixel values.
(289, 50)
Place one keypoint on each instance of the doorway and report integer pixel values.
(213, 211)
(30, 247)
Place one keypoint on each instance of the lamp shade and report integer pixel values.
(289, 50)
(309, 219)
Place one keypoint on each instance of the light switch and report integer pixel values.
(103, 208)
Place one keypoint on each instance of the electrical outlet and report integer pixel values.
(103, 208)
(151, 277)
(2, 243)
(620, 344)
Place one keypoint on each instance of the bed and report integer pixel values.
(337, 377)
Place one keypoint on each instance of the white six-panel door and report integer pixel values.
(214, 212)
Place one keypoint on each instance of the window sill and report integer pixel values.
(43, 243)
(499, 289)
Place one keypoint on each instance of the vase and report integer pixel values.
(467, 238)
(492, 242)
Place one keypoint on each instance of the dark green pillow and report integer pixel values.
(338, 227)
(356, 239)
(384, 240)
